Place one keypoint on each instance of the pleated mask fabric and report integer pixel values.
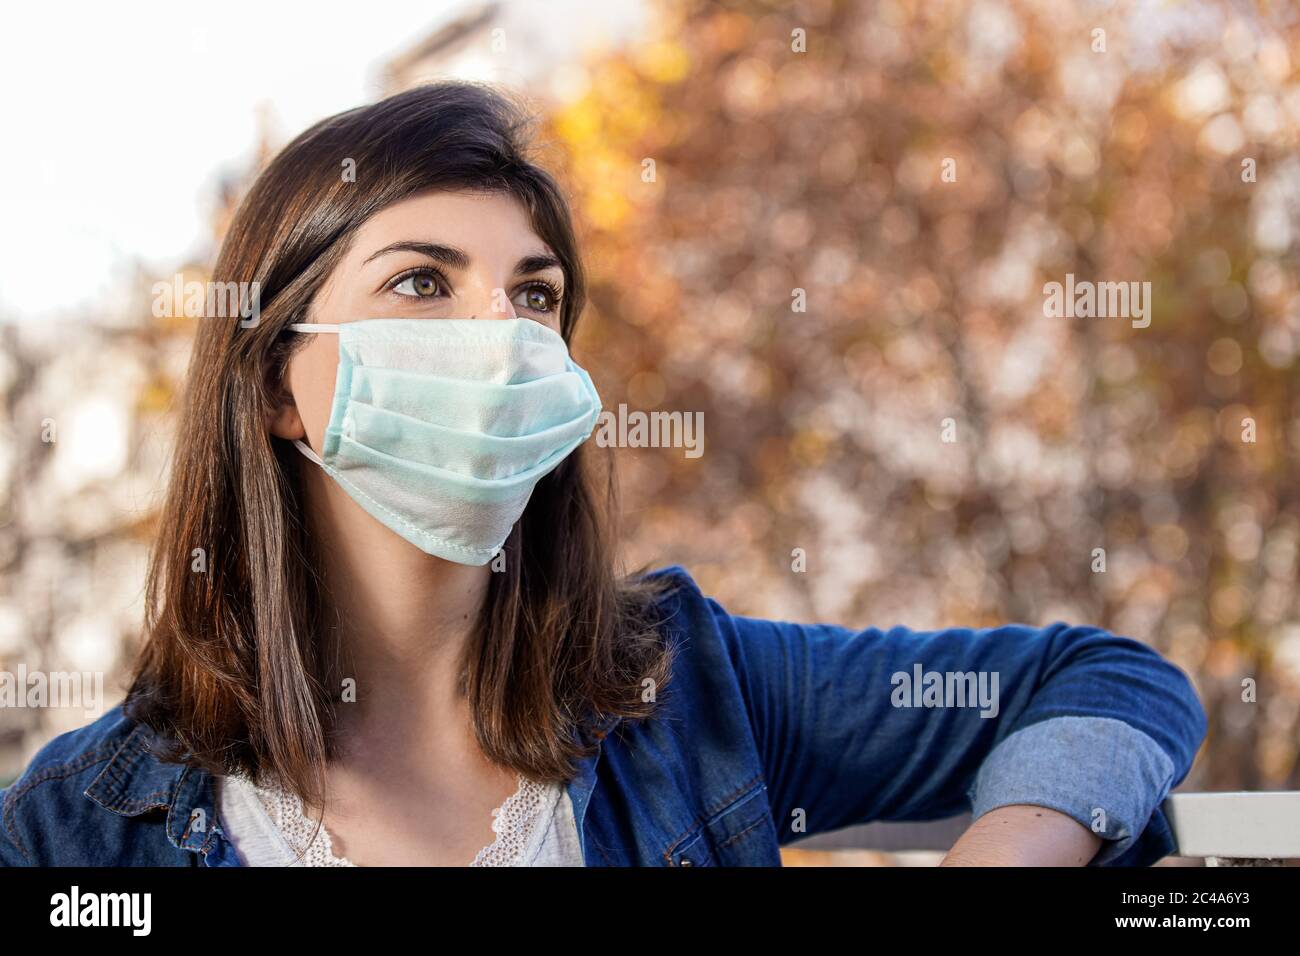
(441, 428)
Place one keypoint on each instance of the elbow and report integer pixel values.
(1194, 722)
(1176, 715)
(1133, 682)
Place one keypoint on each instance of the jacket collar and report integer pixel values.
(583, 783)
(136, 781)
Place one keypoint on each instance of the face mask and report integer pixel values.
(441, 428)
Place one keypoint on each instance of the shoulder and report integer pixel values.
(704, 629)
(52, 789)
(709, 645)
(675, 588)
(690, 620)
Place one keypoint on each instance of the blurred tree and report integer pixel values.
(919, 174)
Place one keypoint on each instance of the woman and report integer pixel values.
(384, 624)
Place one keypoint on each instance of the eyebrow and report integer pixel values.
(459, 259)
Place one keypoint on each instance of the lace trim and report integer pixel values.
(515, 823)
(297, 829)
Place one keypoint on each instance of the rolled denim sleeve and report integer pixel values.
(1093, 724)
(1103, 773)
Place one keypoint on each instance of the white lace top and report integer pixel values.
(267, 826)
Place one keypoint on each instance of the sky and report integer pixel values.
(117, 121)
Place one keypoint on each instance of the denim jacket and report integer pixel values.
(767, 733)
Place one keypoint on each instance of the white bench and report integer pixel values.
(1225, 829)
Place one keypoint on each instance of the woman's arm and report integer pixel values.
(1021, 835)
(1091, 725)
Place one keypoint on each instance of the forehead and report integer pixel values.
(478, 223)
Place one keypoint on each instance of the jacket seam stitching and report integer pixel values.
(111, 772)
(725, 804)
(154, 800)
(59, 771)
(736, 836)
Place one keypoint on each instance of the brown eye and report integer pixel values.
(538, 298)
(421, 285)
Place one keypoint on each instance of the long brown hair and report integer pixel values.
(234, 669)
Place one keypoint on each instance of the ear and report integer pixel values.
(284, 421)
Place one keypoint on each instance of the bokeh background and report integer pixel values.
(1167, 157)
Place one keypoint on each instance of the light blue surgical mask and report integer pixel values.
(441, 428)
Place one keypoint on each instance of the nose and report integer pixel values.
(485, 301)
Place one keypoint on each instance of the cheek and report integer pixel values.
(312, 371)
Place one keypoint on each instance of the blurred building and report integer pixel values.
(85, 421)
(543, 50)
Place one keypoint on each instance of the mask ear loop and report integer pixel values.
(306, 450)
(312, 327)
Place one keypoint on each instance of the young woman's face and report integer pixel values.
(439, 255)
